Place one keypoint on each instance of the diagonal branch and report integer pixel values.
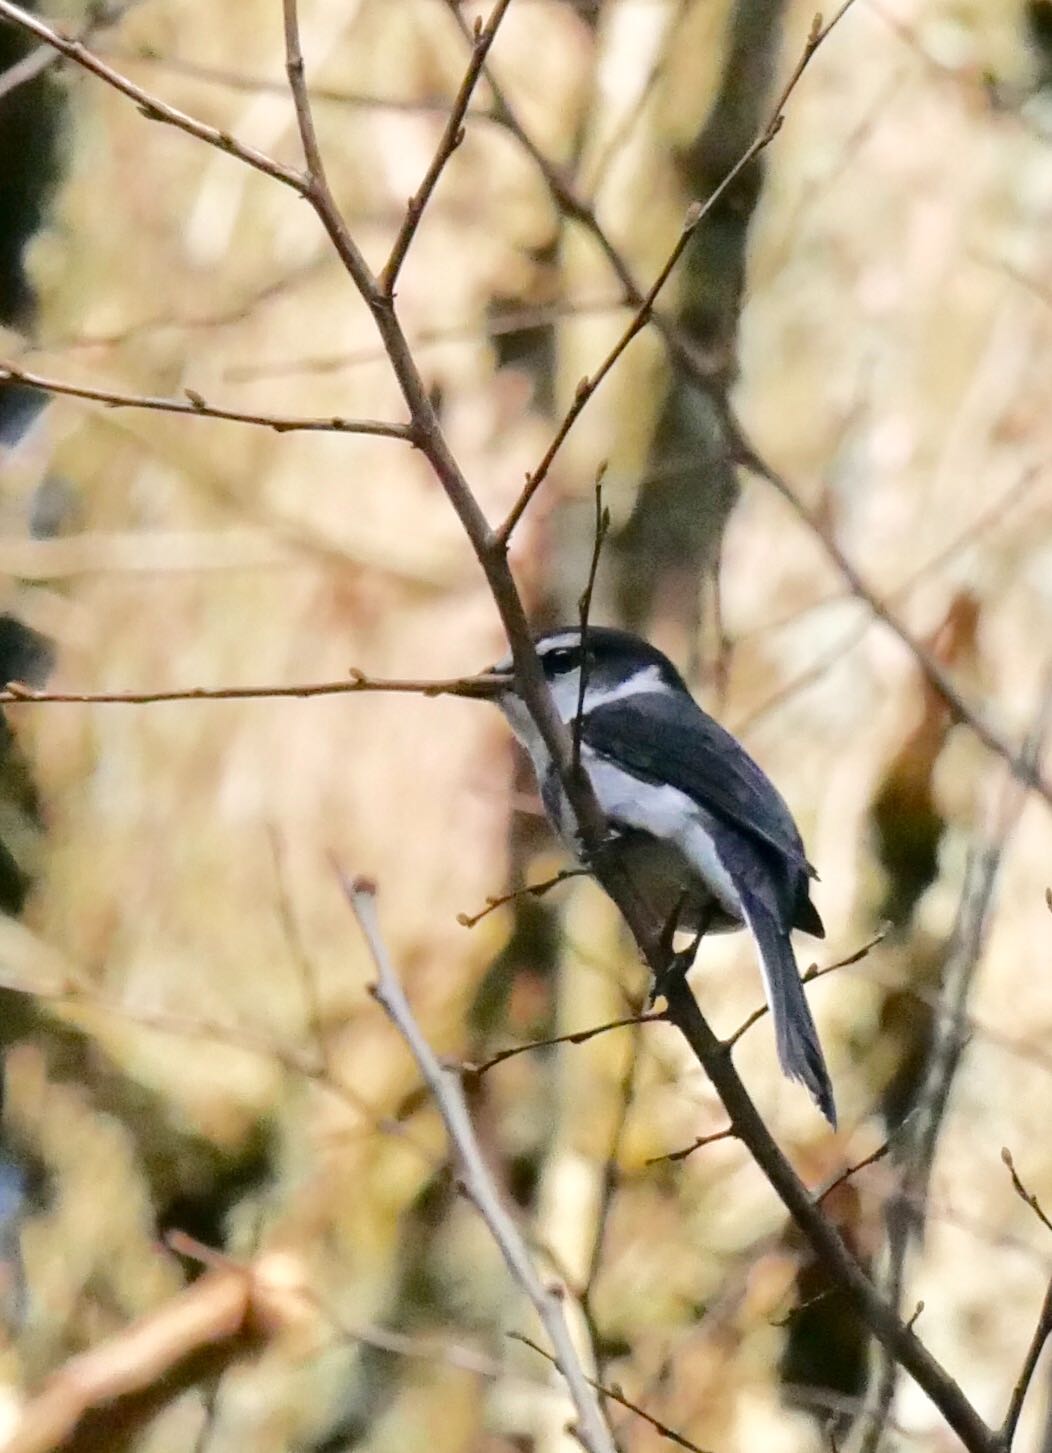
(584, 611)
(615, 1394)
(879, 1316)
(477, 1181)
(577, 1036)
(452, 136)
(196, 407)
(814, 972)
(40, 60)
(152, 107)
(1042, 1332)
(696, 214)
(1020, 763)
(693, 367)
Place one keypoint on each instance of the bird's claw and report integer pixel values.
(676, 967)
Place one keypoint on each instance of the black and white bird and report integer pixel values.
(699, 827)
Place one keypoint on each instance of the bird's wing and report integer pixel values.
(666, 739)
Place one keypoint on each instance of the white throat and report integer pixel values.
(566, 691)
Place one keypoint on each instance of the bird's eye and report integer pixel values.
(562, 659)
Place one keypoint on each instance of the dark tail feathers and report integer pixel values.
(799, 1052)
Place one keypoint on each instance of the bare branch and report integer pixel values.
(696, 214)
(531, 890)
(269, 85)
(227, 1301)
(478, 1184)
(196, 407)
(615, 1394)
(1021, 1190)
(814, 972)
(41, 59)
(905, 1211)
(852, 1170)
(579, 1036)
(1042, 1332)
(16, 694)
(152, 107)
(452, 136)
(676, 1155)
(882, 1320)
(1021, 764)
(584, 609)
(685, 358)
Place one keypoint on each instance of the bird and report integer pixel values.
(704, 835)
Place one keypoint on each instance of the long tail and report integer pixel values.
(799, 1052)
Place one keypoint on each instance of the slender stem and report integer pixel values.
(696, 214)
(1042, 1332)
(584, 609)
(195, 407)
(452, 136)
(15, 694)
(478, 1183)
(152, 107)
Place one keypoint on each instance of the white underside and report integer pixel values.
(662, 811)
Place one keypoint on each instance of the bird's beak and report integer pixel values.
(487, 686)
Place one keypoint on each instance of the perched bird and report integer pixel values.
(704, 835)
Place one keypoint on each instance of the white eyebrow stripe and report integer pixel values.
(561, 642)
(649, 679)
(566, 690)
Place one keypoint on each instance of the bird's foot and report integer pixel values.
(676, 965)
(675, 968)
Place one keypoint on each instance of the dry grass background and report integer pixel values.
(894, 353)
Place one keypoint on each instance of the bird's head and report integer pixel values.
(617, 664)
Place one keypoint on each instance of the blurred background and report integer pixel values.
(188, 1041)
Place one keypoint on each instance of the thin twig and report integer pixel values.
(194, 406)
(852, 1170)
(152, 107)
(1021, 765)
(512, 321)
(271, 86)
(808, 977)
(579, 1036)
(702, 1140)
(584, 611)
(531, 890)
(40, 60)
(1021, 1190)
(880, 1317)
(616, 1395)
(685, 358)
(1042, 1332)
(452, 136)
(17, 694)
(906, 1209)
(478, 1184)
(696, 214)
